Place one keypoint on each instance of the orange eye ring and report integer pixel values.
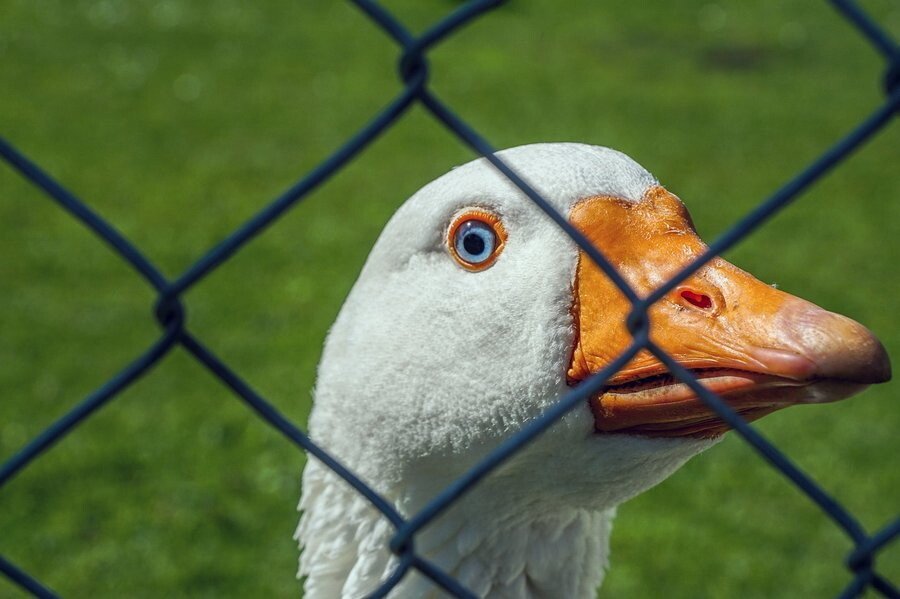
(476, 238)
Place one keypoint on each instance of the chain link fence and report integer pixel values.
(413, 70)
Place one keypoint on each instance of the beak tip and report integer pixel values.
(841, 348)
(864, 359)
(867, 360)
(881, 365)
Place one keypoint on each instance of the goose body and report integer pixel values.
(474, 313)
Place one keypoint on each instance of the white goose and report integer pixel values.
(474, 313)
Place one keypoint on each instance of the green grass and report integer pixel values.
(178, 120)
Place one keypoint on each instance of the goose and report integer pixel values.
(474, 313)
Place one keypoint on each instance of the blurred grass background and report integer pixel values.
(178, 120)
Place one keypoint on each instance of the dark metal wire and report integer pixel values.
(24, 580)
(413, 71)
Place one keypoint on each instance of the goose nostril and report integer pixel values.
(700, 300)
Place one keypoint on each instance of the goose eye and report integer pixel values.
(475, 239)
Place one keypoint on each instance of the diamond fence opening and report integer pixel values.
(413, 68)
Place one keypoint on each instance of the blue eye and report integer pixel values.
(476, 238)
(475, 241)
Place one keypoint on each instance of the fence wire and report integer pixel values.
(413, 69)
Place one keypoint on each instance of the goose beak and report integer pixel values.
(758, 348)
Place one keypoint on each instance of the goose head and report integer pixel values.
(474, 313)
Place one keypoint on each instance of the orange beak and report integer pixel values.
(758, 348)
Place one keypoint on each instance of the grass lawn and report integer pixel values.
(178, 120)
